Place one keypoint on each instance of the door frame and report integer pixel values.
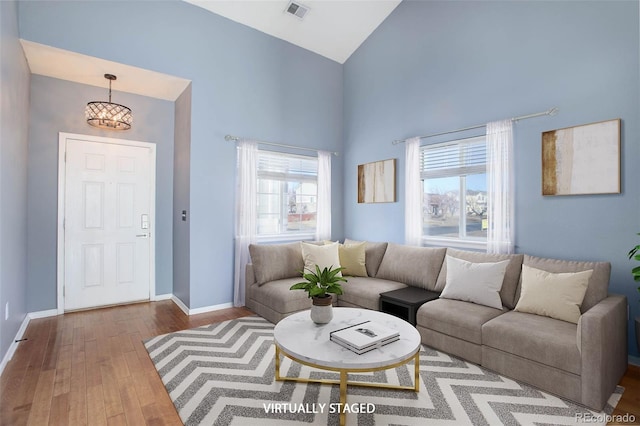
(62, 170)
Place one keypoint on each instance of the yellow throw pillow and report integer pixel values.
(352, 258)
(553, 295)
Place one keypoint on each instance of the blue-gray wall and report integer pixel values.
(181, 192)
(14, 125)
(243, 82)
(58, 106)
(429, 67)
(437, 66)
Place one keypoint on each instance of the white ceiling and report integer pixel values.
(66, 65)
(331, 28)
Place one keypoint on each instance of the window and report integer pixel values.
(287, 194)
(454, 208)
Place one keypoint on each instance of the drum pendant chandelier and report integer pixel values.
(107, 115)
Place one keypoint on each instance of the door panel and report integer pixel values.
(107, 252)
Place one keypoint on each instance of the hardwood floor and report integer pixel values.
(630, 402)
(91, 368)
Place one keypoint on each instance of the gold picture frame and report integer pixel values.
(377, 182)
(582, 159)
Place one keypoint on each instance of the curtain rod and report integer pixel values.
(552, 111)
(237, 138)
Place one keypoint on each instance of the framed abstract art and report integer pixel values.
(582, 159)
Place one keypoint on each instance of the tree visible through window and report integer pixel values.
(287, 194)
(455, 190)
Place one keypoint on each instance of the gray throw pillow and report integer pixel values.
(276, 261)
(415, 266)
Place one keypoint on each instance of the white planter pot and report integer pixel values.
(321, 311)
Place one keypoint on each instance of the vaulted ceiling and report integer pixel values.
(331, 28)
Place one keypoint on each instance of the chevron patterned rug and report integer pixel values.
(223, 374)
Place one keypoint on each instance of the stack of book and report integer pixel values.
(364, 337)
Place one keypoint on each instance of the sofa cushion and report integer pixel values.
(511, 276)
(277, 296)
(353, 259)
(365, 292)
(416, 266)
(374, 253)
(598, 283)
(556, 296)
(455, 318)
(474, 282)
(322, 256)
(276, 261)
(545, 340)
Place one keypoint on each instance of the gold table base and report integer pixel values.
(344, 380)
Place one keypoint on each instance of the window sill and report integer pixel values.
(284, 238)
(477, 245)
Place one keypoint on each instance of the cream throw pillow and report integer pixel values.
(552, 295)
(475, 282)
(325, 256)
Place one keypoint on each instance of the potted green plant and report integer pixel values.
(634, 253)
(319, 285)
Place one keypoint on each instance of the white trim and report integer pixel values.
(159, 297)
(62, 152)
(42, 314)
(455, 243)
(14, 344)
(23, 328)
(210, 308)
(284, 238)
(202, 310)
(180, 304)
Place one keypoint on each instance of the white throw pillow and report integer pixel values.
(325, 256)
(474, 282)
(552, 295)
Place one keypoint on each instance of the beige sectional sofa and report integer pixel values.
(582, 362)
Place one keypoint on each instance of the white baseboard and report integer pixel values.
(210, 308)
(180, 304)
(14, 344)
(159, 297)
(43, 314)
(634, 360)
(23, 327)
(202, 310)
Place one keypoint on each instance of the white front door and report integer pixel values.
(107, 223)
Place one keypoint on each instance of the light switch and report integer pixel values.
(144, 221)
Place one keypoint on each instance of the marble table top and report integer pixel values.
(307, 341)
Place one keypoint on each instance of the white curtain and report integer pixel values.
(413, 194)
(246, 214)
(323, 218)
(500, 212)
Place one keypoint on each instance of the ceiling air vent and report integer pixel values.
(297, 9)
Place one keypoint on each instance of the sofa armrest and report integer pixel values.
(603, 343)
(249, 280)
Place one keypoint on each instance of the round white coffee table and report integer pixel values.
(303, 341)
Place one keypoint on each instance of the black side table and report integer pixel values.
(404, 303)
